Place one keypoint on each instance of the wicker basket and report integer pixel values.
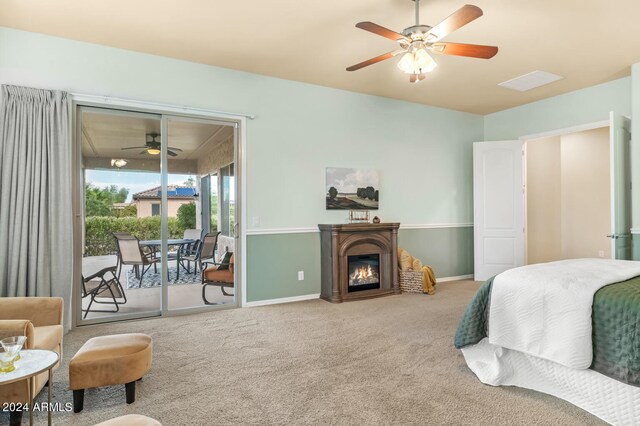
(411, 281)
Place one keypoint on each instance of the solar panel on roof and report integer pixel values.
(185, 191)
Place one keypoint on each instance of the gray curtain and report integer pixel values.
(36, 244)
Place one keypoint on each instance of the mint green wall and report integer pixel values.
(275, 259)
(570, 109)
(449, 251)
(423, 154)
(275, 262)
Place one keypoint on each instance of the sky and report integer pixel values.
(347, 181)
(134, 181)
(138, 181)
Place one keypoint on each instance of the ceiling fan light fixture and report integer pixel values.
(417, 61)
(153, 151)
(417, 40)
(118, 162)
(406, 63)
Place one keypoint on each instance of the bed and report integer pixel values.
(570, 329)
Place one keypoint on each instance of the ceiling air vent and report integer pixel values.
(530, 81)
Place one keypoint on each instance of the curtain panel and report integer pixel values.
(36, 234)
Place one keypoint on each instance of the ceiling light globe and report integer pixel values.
(153, 151)
(424, 62)
(406, 63)
(120, 162)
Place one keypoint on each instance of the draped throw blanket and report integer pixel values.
(406, 262)
(36, 250)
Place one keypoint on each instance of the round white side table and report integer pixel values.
(32, 362)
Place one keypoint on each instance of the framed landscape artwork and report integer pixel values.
(351, 189)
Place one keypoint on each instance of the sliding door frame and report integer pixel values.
(165, 112)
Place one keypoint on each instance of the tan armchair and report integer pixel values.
(40, 319)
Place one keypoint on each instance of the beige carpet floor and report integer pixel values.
(386, 361)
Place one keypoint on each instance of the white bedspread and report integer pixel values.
(545, 309)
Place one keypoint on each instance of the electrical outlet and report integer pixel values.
(600, 253)
(300, 275)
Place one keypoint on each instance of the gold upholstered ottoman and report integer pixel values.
(110, 360)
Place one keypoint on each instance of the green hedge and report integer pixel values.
(99, 230)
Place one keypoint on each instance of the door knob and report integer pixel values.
(616, 236)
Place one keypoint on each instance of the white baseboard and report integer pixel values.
(460, 277)
(282, 300)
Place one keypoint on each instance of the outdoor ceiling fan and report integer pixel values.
(418, 40)
(152, 146)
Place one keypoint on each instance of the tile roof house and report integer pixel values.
(148, 202)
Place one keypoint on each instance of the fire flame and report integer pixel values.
(362, 273)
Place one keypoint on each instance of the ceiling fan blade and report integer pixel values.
(143, 152)
(374, 60)
(382, 31)
(457, 19)
(461, 49)
(174, 149)
(171, 153)
(134, 147)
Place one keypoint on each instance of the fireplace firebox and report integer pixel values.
(364, 272)
(358, 261)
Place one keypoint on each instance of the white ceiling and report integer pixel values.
(586, 41)
(104, 136)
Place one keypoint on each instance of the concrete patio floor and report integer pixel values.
(148, 299)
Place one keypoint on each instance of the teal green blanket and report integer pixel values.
(615, 323)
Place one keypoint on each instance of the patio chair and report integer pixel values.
(189, 252)
(220, 274)
(103, 284)
(206, 250)
(130, 253)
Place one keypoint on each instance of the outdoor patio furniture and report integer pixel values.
(154, 245)
(219, 274)
(130, 253)
(188, 252)
(207, 249)
(103, 284)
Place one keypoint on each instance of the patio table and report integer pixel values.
(155, 244)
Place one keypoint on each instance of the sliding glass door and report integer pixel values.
(151, 217)
(197, 150)
(120, 174)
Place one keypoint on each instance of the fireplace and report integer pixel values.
(364, 272)
(358, 261)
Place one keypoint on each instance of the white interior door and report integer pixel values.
(620, 170)
(498, 207)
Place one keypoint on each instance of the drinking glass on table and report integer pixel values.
(12, 346)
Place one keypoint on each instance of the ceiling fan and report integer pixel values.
(152, 146)
(418, 40)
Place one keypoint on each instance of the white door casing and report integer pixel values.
(620, 138)
(498, 207)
